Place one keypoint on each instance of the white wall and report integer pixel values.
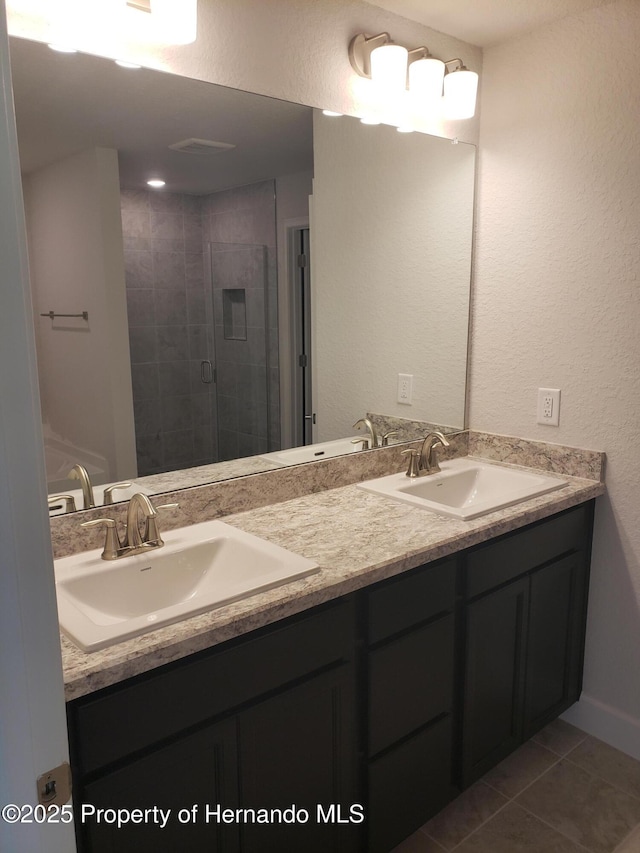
(557, 298)
(77, 264)
(391, 264)
(33, 738)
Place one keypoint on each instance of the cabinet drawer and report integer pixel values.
(498, 562)
(411, 599)
(408, 785)
(127, 718)
(410, 682)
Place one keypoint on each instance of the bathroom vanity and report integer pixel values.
(362, 709)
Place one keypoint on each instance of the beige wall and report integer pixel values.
(390, 270)
(557, 302)
(76, 264)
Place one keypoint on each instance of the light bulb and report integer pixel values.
(389, 68)
(460, 89)
(425, 79)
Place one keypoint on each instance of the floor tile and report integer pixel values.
(581, 806)
(559, 737)
(466, 813)
(520, 769)
(418, 843)
(513, 830)
(603, 760)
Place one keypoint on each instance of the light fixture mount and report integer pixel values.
(360, 49)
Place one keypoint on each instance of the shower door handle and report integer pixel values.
(206, 372)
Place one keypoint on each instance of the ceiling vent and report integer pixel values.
(201, 146)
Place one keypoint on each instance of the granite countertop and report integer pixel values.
(357, 538)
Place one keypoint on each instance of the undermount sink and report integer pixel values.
(465, 488)
(199, 568)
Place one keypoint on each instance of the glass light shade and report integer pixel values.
(425, 79)
(90, 26)
(460, 89)
(175, 21)
(389, 67)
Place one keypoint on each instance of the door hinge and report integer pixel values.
(303, 360)
(54, 787)
(302, 260)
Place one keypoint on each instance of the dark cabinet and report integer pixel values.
(410, 674)
(347, 726)
(265, 722)
(524, 629)
(494, 678)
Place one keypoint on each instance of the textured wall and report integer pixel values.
(557, 302)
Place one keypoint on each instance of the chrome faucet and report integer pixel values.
(370, 442)
(79, 472)
(133, 541)
(428, 462)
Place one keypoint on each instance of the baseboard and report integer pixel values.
(609, 724)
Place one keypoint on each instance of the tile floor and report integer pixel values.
(562, 792)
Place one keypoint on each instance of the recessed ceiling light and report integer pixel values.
(124, 64)
(330, 113)
(156, 183)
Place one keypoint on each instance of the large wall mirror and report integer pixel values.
(267, 297)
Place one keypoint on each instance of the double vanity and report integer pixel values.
(367, 658)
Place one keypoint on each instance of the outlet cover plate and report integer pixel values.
(548, 412)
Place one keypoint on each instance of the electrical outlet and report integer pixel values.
(549, 406)
(405, 388)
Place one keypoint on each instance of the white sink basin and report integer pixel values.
(313, 452)
(465, 488)
(199, 568)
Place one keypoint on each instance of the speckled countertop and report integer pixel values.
(356, 537)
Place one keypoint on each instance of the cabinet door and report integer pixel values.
(555, 640)
(494, 678)
(298, 750)
(196, 770)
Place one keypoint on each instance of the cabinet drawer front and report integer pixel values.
(411, 599)
(495, 563)
(410, 682)
(408, 785)
(163, 704)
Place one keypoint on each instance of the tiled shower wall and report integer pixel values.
(240, 224)
(166, 239)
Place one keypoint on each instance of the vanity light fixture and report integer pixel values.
(387, 65)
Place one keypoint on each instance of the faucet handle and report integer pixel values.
(69, 502)
(152, 534)
(108, 492)
(112, 544)
(385, 438)
(414, 462)
(363, 441)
